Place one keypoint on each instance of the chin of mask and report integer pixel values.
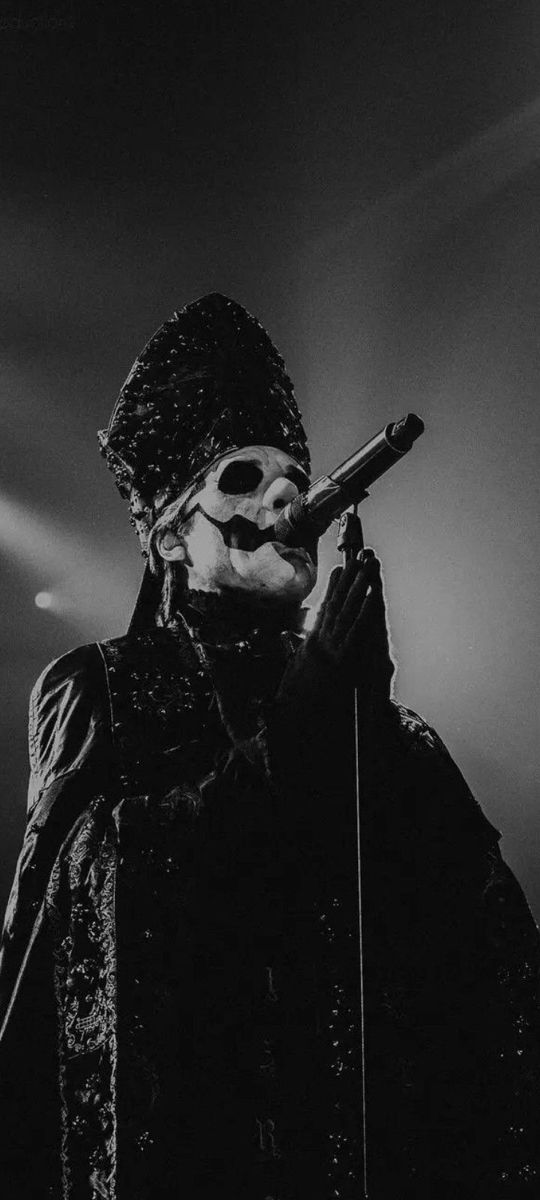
(229, 545)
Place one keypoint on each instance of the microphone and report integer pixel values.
(310, 514)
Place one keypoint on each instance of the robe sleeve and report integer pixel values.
(458, 971)
(70, 758)
(69, 748)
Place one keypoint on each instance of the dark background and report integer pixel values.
(366, 180)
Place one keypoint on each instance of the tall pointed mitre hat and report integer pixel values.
(208, 381)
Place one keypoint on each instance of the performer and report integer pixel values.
(180, 966)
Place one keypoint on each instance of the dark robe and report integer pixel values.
(180, 971)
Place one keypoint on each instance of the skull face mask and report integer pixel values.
(224, 537)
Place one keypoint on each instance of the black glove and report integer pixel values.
(349, 644)
(347, 648)
(350, 631)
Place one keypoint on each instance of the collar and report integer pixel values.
(228, 620)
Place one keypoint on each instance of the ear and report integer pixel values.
(170, 546)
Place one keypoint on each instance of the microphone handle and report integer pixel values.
(310, 514)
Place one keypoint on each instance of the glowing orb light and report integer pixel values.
(43, 600)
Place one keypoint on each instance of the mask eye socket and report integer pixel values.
(239, 477)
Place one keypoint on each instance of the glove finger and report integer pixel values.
(333, 580)
(346, 581)
(321, 621)
(351, 610)
(369, 629)
(342, 579)
(338, 587)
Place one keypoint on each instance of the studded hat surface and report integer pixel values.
(209, 380)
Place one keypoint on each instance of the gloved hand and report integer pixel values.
(350, 631)
(348, 647)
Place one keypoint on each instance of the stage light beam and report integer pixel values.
(90, 588)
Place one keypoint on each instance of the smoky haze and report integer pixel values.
(369, 188)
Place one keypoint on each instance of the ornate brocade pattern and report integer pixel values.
(162, 699)
(158, 691)
(514, 945)
(342, 1015)
(80, 901)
